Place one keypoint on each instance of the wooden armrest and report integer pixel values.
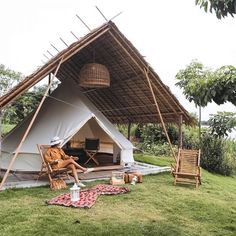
(187, 174)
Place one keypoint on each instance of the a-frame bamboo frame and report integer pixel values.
(159, 113)
(29, 127)
(130, 74)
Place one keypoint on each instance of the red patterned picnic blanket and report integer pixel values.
(88, 197)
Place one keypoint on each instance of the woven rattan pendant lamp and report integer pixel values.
(94, 75)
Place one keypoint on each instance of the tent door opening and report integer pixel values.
(108, 152)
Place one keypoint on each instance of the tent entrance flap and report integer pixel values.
(91, 129)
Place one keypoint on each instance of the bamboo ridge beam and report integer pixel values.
(159, 112)
(29, 127)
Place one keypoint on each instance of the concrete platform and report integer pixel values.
(17, 180)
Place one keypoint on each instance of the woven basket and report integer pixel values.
(94, 75)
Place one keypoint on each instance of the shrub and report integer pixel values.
(190, 137)
(218, 155)
(157, 149)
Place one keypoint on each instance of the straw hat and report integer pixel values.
(55, 140)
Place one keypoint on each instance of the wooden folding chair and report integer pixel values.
(187, 169)
(46, 168)
(91, 148)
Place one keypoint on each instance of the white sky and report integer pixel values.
(170, 34)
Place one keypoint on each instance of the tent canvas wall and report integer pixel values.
(66, 113)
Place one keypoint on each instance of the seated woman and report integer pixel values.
(57, 158)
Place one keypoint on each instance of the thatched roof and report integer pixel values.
(128, 99)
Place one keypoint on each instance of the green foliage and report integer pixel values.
(153, 139)
(123, 128)
(218, 155)
(190, 137)
(221, 7)
(223, 85)
(6, 128)
(21, 107)
(24, 105)
(154, 133)
(202, 85)
(193, 80)
(8, 79)
(222, 123)
(159, 149)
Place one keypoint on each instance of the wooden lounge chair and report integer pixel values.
(91, 148)
(187, 169)
(46, 168)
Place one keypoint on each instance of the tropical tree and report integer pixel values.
(8, 79)
(222, 123)
(22, 106)
(26, 103)
(221, 7)
(193, 80)
(203, 85)
(223, 85)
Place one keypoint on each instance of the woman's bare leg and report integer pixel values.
(74, 172)
(67, 162)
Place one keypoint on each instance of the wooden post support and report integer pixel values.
(199, 125)
(129, 129)
(49, 83)
(180, 143)
(29, 127)
(159, 112)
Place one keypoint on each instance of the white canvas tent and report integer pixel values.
(68, 114)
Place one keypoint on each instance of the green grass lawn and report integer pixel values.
(155, 207)
(160, 161)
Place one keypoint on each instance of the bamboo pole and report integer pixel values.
(101, 13)
(64, 42)
(115, 16)
(74, 35)
(29, 127)
(159, 112)
(83, 23)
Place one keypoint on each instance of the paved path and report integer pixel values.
(28, 181)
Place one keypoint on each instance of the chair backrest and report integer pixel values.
(92, 144)
(188, 161)
(42, 150)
